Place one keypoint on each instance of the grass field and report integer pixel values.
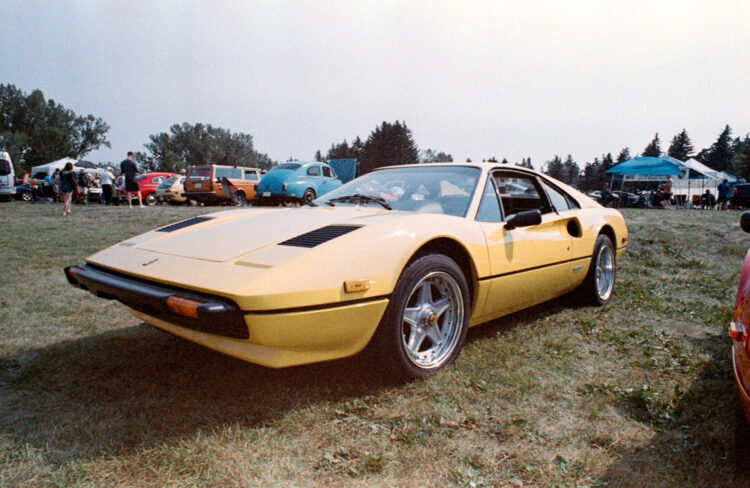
(636, 394)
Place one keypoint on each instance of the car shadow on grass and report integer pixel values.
(702, 436)
(119, 391)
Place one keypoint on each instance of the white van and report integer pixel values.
(7, 176)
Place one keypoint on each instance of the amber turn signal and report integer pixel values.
(737, 331)
(182, 306)
(356, 285)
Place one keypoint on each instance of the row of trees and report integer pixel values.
(192, 145)
(35, 130)
(726, 154)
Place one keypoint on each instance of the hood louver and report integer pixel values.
(183, 224)
(319, 236)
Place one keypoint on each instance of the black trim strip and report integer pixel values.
(533, 268)
(312, 308)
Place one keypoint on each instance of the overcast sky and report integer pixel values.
(473, 79)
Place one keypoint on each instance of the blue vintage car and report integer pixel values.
(295, 182)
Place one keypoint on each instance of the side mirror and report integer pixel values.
(745, 221)
(525, 219)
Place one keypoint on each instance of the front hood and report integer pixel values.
(230, 235)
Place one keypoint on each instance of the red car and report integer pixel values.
(148, 184)
(740, 328)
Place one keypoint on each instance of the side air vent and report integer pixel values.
(319, 236)
(183, 224)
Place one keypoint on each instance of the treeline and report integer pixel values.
(35, 130)
(728, 154)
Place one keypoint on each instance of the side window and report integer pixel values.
(558, 200)
(489, 208)
(327, 172)
(251, 175)
(519, 193)
(313, 171)
(232, 173)
(158, 180)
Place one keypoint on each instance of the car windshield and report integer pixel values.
(167, 183)
(200, 173)
(427, 189)
(288, 166)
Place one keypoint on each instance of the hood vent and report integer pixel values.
(183, 224)
(319, 236)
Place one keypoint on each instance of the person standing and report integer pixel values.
(68, 184)
(725, 191)
(107, 179)
(130, 169)
(56, 184)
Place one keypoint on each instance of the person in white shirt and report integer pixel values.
(107, 180)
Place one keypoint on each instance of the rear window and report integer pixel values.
(4, 167)
(233, 173)
(200, 173)
(289, 166)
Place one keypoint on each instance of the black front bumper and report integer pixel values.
(215, 315)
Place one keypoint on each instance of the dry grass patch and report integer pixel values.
(638, 393)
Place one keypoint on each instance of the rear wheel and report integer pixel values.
(600, 281)
(27, 196)
(425, 323)
(308, 197)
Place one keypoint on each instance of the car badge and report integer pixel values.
(150, 262)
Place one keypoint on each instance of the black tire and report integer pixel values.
(27, 196)
(238, 199)
(419, 336)
(599, 284)
(308, 196)
(150, 199)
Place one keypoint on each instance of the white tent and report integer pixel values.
(690, 188)
(43, 170)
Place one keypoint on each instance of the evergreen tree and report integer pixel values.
(554, 168)
(681, 147)
(570, 171)
(654, 148)
(318, 156)
(624, 155)
(741, 160)
(432, 156)
(525, 163)
(591, 175)
(388, 144)
(719, 155)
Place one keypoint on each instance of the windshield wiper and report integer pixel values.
(359, 198)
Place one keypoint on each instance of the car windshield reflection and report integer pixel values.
(439, 189)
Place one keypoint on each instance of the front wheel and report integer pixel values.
(425, 323)
(27, 196)
(238, 199)
(600, 281)
(150, 199)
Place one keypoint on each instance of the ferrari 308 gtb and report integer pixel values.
(401, 260)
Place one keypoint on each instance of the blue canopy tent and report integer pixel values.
(652, 166)
(646, 165)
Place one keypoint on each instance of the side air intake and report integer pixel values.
(319, 236)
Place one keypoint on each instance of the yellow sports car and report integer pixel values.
(403, 259)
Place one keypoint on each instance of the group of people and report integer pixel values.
(69, 183)
(661, 196)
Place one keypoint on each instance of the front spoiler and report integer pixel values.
(213, 315)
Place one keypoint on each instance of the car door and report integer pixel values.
(528, 265)
(315, 178)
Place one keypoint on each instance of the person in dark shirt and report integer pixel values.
(68, 184)
(725, 191)
(130, 170)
